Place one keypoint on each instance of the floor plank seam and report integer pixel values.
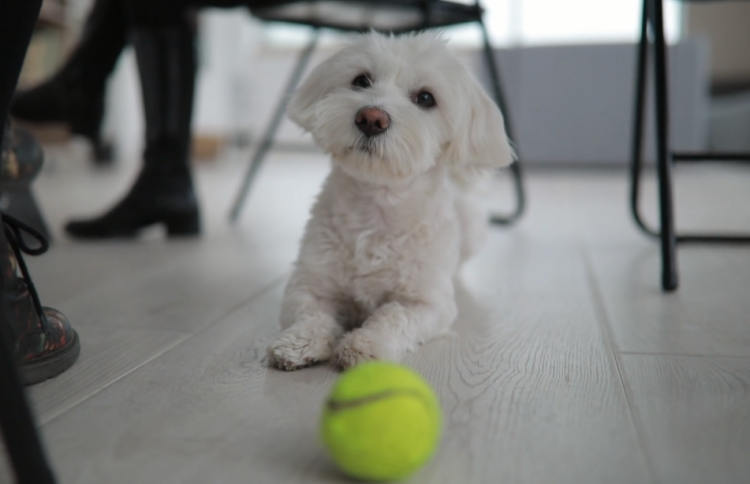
(245, 302)
(602, 318)
(684, 355)
(145, 275)
(188, 336)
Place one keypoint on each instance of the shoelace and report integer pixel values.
(14, 230)
(5, 141)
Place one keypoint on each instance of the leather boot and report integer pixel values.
(45, 343)
(74, 96)
(163, 192)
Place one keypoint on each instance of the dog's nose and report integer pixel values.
(372, 121)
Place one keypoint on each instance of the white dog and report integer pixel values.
(408, 128)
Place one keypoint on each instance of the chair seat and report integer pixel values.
(395, 16)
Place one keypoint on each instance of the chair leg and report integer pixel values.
(489, 58)
(664, 155)
(16, 422)
(273, 126)
(636, 155)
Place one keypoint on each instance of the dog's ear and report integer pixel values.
(301, 107)
(478, 138)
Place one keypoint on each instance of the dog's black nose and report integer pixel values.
(372, 121)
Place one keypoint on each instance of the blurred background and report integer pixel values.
(567, 67)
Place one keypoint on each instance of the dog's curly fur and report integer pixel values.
(374, 276)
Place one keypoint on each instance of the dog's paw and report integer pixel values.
(299, 348)
(360, 346)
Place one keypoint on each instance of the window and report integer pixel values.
(530, 22)
(534, 22)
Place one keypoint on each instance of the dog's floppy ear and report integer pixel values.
(478, 138)
(301, 107)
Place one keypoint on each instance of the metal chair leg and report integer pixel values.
(278, 116)
(664, 155)
(636, 155)
(649, 20)
(489, 58)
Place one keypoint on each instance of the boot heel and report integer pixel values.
(187, 225)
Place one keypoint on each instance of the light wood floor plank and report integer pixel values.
(709, 314)
(72, 269)
(695, 415)
(107, 354)
(520, 404)
(529, 383)
(207, 281)
(529, 389)
(207, 410)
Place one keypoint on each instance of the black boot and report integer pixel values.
(74, 96)
(163, 192)
(45, 343)
(22, 441)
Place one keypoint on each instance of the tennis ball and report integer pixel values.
(381, 422)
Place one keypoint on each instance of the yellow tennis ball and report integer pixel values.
(382, 422)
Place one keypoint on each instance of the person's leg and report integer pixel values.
(43, 341)
(16, 421)
(162, 33)
(74, 95)
(17, 19)
(163, 36)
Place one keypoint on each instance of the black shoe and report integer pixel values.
(74, 96)
(45, 343)
(155, 198)
(163, 192)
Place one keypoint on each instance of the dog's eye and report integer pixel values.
(425, 99)
(361, 81)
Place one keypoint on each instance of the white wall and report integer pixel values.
(574, 104)
(726, 25)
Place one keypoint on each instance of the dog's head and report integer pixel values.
(390, 108)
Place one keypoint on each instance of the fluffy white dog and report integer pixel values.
(408, 129)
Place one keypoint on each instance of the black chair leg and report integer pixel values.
(636, 155)
(496, 84)
(16, 422)
(652, 16)
(268, 137)
(653, 19)
(664, 155)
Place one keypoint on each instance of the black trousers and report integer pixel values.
(17, 19)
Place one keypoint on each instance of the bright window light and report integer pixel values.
(535, 22)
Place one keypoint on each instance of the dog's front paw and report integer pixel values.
(299, 348)
(362, 345)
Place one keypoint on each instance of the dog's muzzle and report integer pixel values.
(372, 121)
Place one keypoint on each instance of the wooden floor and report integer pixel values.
(568, 364)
